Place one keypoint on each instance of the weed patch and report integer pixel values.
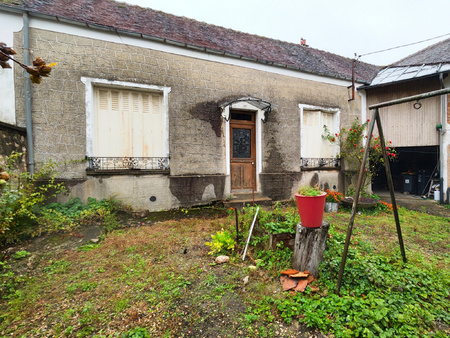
(160, 281)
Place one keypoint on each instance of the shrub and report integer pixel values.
(21, 196)
(222, 242)
(23, 213)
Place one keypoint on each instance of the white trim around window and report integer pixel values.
(90, 83)
(334, 129)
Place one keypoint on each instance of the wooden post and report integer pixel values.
(355, 202)
(391, 187)
(309, 247)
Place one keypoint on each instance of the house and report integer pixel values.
(420, 131)
(161, 111)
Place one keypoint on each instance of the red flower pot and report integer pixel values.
(311, 209)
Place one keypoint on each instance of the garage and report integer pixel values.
(414, 169)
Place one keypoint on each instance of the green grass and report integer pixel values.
(160, 281)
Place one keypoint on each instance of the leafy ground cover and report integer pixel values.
(159, 279)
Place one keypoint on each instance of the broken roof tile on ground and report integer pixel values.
(294, 280)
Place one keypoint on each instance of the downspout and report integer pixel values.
(441, 141)
(29, 123)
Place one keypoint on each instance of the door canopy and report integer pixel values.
(260, 104)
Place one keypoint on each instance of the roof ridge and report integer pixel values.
(422, 52)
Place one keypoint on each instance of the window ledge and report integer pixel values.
(128, 164)
(320, 164)
(126, 172)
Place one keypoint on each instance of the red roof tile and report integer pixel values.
(124, 17)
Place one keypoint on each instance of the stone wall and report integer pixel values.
(197, 138)
(12, 139)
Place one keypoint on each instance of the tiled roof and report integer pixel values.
(434, 54)
(148, 22)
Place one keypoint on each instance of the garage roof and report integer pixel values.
(430, 61)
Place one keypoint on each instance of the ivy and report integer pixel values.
(380, 297)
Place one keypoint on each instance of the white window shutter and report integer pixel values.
(313, 145)
(312, 132)
(128, 124)
(103, 99)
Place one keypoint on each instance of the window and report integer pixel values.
(315, 151)
(128, 124)
(127, 128)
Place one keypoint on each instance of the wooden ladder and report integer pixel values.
(433, 182)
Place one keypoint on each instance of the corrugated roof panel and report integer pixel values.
(397, 74)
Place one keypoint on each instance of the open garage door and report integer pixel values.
(411, 171)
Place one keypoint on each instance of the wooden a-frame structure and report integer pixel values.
(376, 119)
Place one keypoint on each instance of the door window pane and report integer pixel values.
(242, 143)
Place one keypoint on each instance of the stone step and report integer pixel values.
(240, 200)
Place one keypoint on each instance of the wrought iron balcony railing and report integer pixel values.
(320, 163)
(127, 163)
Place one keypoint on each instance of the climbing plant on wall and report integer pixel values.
(352, 149)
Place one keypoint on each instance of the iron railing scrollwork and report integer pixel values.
(127, 163)
(320, 163)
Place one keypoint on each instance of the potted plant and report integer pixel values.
(310, 204)
(332, 200)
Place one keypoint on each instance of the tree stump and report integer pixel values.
(309, 247)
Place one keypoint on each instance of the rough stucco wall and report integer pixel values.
(197, 142)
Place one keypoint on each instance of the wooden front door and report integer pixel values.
(243, 150)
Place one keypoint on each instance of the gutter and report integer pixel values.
(175, 43)
(28, 117)
(441, 140)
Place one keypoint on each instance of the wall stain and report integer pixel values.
(189, 189)
(278, 186)
(314, 180)
(273, 159)
(209, 111)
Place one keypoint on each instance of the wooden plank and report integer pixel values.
(404, 125)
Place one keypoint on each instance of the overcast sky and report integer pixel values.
(343, 27)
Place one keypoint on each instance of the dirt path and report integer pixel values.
(417, 203)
